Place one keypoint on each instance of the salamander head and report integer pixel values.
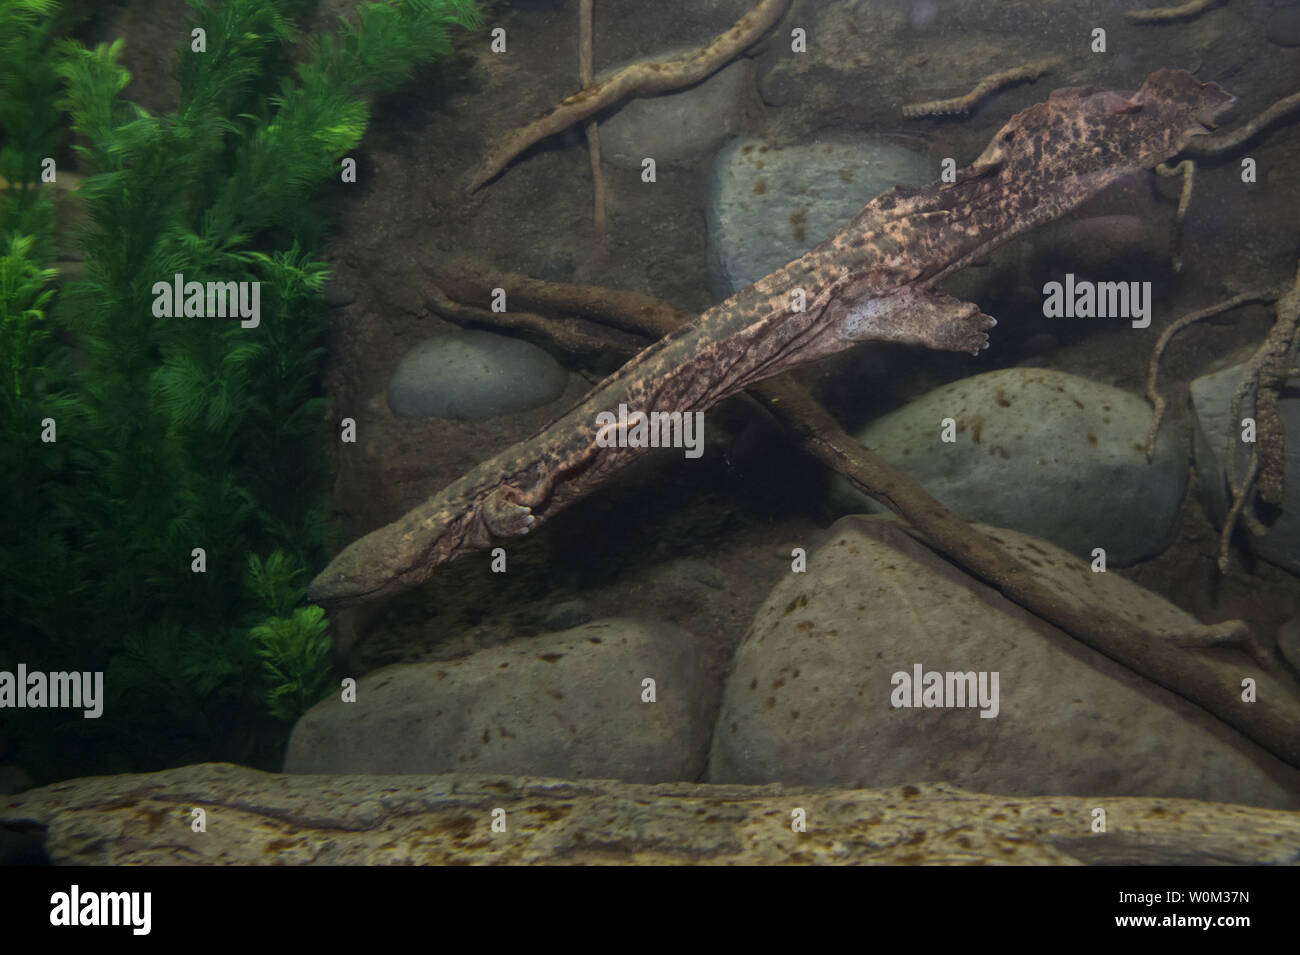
(364, 570)
(390, 559)
(1082, 132)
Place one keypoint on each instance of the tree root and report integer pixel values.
(1215, 145)
(1266, 375)
(1183, 11)
(1186, 169)
(990, 84)
(641, 79)
(572, 336)
(1209, 681)
(1268, 368)
(1153, 365)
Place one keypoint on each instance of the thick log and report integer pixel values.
(253, 817)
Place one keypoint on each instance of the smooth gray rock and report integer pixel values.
(1044, 452)
(809, 699)
(768, 204)
(474, 375)
(1284, 26)
(1217, 440)
(561, 704)
(682, 125)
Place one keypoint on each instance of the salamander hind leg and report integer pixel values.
(915, 316)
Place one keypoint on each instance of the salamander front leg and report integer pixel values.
(503, 517)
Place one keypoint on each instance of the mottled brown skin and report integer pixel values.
(871, 281)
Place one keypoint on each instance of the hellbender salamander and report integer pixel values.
(873, 280)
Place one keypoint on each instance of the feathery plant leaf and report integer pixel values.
(28, 88)
(177, 434)
(296, 654)
(24, 294)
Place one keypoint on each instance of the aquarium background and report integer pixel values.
(171, 485)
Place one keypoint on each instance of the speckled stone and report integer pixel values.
(809, 697)
(682, 125)
(770, 204)
(1219, 448)
(1044, 452)
(558, 704)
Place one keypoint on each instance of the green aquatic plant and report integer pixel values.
(31, 471)
(28, 87)
(296, 650)
(24, 294)
(293, 641)
(186, 447)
